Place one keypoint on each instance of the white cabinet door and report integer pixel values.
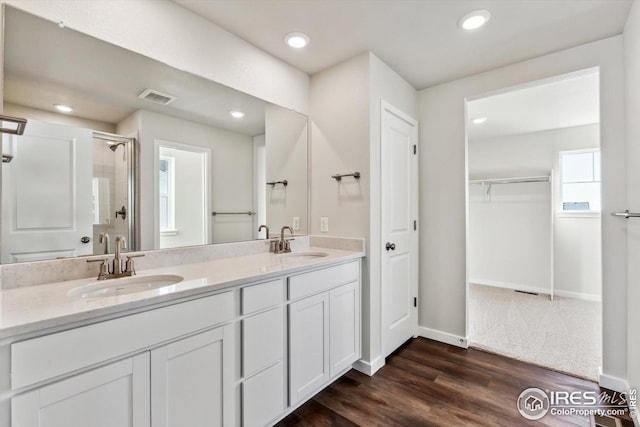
(308, 346)
(191, 381)
(263, 396)
(114, 395)
(262, 340)
(344, 320)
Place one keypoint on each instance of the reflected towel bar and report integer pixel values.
(19, 122)
(338, 178)
(214, 213)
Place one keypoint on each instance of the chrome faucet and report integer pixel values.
(115, 269)
(104, 238)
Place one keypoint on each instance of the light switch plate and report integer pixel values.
(324, 224)
(296, 223)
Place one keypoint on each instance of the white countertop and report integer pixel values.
(33, 308)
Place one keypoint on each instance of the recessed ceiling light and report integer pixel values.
(237, 114)
(297, 40)
(63, 108)
(474, 20)
(479, 120)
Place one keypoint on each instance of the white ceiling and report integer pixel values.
(419, 39)
(102, 81)
(565, 101)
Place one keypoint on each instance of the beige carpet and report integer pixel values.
(564, 334)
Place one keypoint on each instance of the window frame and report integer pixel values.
(561, 212)
(170, 195)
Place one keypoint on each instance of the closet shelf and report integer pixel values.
(516, 180)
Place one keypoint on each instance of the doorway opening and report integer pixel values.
(533, 208)
(182, 195)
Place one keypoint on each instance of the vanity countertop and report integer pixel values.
(33, 308)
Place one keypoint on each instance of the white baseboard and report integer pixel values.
(577, 295)
(514, 286)
(613, 383)
(444, 337)
(369, 368)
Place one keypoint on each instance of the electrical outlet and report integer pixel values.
(296, 223)
(324, 224)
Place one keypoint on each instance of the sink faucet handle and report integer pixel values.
(104, 267)
(129, 266)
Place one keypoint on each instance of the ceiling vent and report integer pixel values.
(157, 96)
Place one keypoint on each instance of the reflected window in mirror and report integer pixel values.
(166, 188)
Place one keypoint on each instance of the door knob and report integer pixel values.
(85, 239)
(391, 246)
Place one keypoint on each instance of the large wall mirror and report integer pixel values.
(149, 152)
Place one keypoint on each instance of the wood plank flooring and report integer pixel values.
(426, 383)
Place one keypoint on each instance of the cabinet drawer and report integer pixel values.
(264, 295)
(320, 280)
(262, 340)
(263, 397)
(46, 357)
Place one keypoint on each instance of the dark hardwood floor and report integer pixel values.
(426, 383)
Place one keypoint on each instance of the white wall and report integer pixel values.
(286, 137)
(260, 186)
(231, 170)
(632, 79)
(345, 136)
(510, 236)
(577, 248)
(168, 33)
(443, 160)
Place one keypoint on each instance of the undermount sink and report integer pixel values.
(301, 256)
(124, 286)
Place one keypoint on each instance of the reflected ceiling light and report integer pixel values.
(297, 40)
(63, 108)
(474, 20)
(479, 120)
(236, 114)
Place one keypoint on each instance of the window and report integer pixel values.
(580, 180)
(166, 189)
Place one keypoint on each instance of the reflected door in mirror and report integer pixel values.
(47, 193)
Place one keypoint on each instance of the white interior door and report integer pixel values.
(633, 267)
(47, 193)
(399, 269)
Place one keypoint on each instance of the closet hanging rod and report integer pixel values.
(214, 213)
(511, 180)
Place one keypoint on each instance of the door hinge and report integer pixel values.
(415, 225)
(415, 149)
(415, 301)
